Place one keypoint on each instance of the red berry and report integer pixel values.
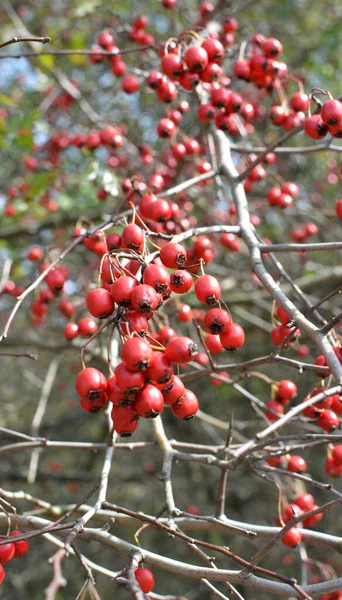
(180, 282)
(296, 464)
(149, 402)
(305, 502)
(292, 537)
(6, 552)
(338, 208)
(133, 238)
(175, 393)
(145, 579)
(129, 382)
(100, 303)
(315, 128)
(130, 84)
(286, 389)
(214, 49)
(196, 58)
(216, 321)
(144, 298)
(2, 573)
(207, 289)
(87, 327)
(213, 344)
(70, 331)
(328, 420)
(181, 350)
(160, 371)
(55, 280)
(166, 128)
(332, 469)
(277, 408)
(91, 383)
(122, 290)
(186, 407)
(337, 455)
(35, 254)
(233, 337)
(331, 113)
(136, 353)
(21, 547)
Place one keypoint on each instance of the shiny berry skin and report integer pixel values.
(311, 521)
(87, 327)
(196, 58)
(160, 370)
(186, 408)
(299, 102)
(124, 428)
(114, 393)
(206, 113)
(331, 113)
(90, 383)
(66, 308)
(144, 298)
(332, 469)
(149, 402)
(286, 389)
(207, 289)
(233, 337)
(167, 91)
(154, 80)
(277, 115)
(35, 254)
(277, 408)
(181, 350)
(122, 290)
(55, 280)
(166, 128)
(216, 321)
(290, 188)
(337, 455)
(296, 464)
(282, 314)
(100, 303)
(175, 393)
(213, 344)
(184, 313)
(161, 210)
(129, 382)
(21, 547)
(137, 354)
(328, 420)
(39, 308)
(70, 331)
(181, 282)
(113, 241)
(172, 64)
(315, 128)
(214, 49)
(6, 552)
(336, 404)
(2, 573)
(145, 579)
(305, 502)
(292, 537)
(130, 84)
(133, 238)
(136, 322)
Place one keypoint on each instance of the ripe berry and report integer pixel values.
(305, 502)
(328, 420)
(87, 327)
(149, 402)
(100, 303)
(124, 428)
(299, 102)
(276, 408)
(338, 208)
(70, 331)
(207, 289)
(91, 383)
(160, 371)
(35, 254)
(130, 84)
(129, 382)
(196, 58)
(332, 469)
(286, 389)
(114, 393)
(213, 344)
(315, 128)
(175, 393)
(2, 573)
(296, 464)
(337, 455)
(6, 552)
(180, 282)
(122, 290)
(233, 337)
(133, 238)
(292, 537)
(331, 113)
(214, 49)
(134, 322)
(216, 321)
(55, 280)
(186, 408)
(136, 353)
(145, 579)
(144, 298)
(22, 546)
(181, 350)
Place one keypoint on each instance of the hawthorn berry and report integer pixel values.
(216, 321)
(149, 402)
(186, 408)
(296, 464)
(100, 303)
(181, 350)
(233, 337)
(180, 281)
(145, 579)
(87, 327)
(137, 354)
(292, 537)
(6, 552)
(91, 383)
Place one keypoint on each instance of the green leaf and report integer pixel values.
(6, 100)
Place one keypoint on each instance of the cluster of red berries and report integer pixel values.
(283, 197)
(285, 391)
(303, 503)
(145, 381)
(284, 330)
(329, 120)
(12, 550)
(333, 464)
